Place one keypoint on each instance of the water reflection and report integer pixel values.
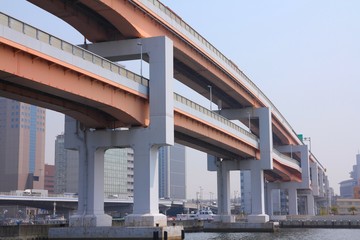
(288, 234)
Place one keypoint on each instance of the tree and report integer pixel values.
(352, 210)
(334, 210)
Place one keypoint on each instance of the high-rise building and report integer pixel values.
(66, 167)
(350, 188)
(172, 178)
(49, 178)
(22, 145)
(118, 170)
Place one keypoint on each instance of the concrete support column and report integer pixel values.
(257, 196)
(327, 193)
(270, 202)
(158, 51)
(314, 178)
(223, 189)
(293, 203)
(146, 188)
(91, 182)
(321, 183)
(310, 204)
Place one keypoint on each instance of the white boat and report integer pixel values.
(202, 214)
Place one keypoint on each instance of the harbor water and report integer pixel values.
(283, 234)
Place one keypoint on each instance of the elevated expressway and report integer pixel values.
(119, 98)
(106, 106)
(197, 63)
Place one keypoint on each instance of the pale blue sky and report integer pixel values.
(304, 55)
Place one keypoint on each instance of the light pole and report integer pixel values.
(141, 57)
(210, 89)
(54, 210)
(308, 139)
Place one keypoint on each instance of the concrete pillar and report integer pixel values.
(269, 199)
(146, 192)
(321, 183)
(158, 51)
(257, 195)
(223, 190)
(159, 133)
(310, 204)
(91, 177)
(314, 178)
(293, 203)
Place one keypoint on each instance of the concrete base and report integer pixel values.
(173, 232)
(241, 227)
(260, 218)
(278, 217)
(224, 218)
(146, 220)
(102, 220)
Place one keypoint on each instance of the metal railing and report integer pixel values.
(213, 115)
(69, 48)
(106, 64)
(222, 57)
(287, 158)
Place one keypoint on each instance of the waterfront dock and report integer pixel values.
(329, 221)
(241, 227)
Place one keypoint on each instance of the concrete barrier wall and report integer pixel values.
(26, 231)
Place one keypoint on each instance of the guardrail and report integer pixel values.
(213, 115)
(33, 32)
(222, 57)
(100, 61)
(287, 158)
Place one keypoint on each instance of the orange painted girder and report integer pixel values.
(214, 135)
(66, 81)
(288, 173)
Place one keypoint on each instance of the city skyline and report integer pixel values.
(303, 56)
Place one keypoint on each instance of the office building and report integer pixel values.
(66, 168)
(49, 181)
(350, 188)
(172, 178)
(22, 146)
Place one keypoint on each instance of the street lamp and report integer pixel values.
(308, 139)
(210, 89)
(141, 57)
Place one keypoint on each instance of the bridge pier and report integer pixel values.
(256, 167)
(91, 176)
(144, 141)
(146, 193)
(223, 196)
(293, 202)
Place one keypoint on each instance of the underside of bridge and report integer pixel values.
(106, 20)
(25, 77)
